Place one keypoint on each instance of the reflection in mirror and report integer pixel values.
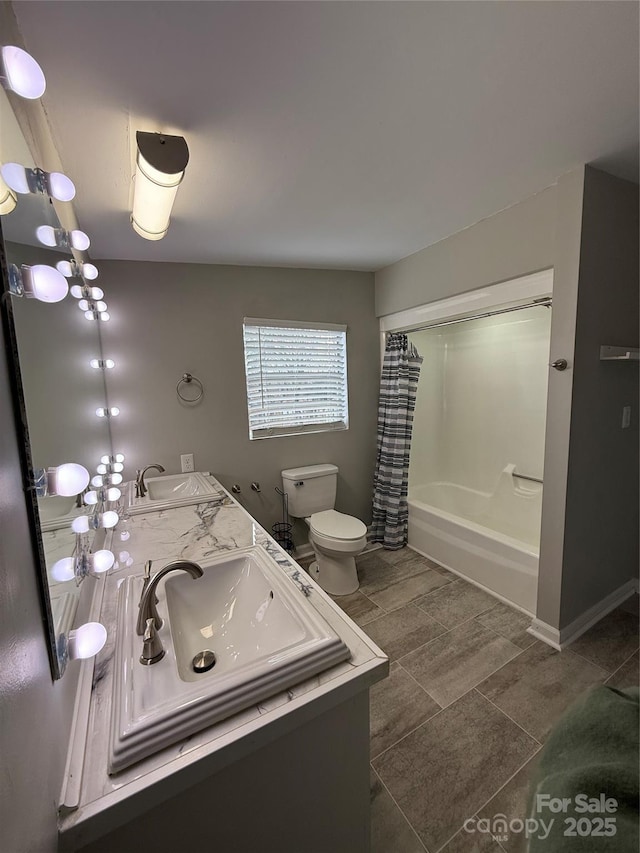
(56, 344)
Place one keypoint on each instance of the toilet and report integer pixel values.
(336, 538)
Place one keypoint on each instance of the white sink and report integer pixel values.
(57, 511)
(264, 634)
(172, 490)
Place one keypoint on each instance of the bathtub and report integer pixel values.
(489, 538)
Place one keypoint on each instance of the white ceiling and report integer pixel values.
(333, 134)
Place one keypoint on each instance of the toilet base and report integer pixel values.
(337, 577)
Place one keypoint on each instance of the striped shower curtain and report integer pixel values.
(398, 385)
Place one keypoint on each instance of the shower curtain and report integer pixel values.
(398, 385)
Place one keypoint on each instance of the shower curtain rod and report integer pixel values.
(544, 302)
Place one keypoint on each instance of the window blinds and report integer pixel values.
(296, 377)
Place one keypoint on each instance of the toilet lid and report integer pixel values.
(337, 524)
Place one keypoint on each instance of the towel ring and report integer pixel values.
(187, 378)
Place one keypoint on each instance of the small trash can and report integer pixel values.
(281, 532)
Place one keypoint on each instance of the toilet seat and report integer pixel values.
(337, 525)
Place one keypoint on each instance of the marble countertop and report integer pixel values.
(197, 532)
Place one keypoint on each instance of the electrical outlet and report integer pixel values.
(626, 417)
(186, 461)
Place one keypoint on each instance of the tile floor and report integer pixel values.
(468, 703)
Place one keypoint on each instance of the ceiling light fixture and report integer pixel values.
(20, 73)
(160, 167)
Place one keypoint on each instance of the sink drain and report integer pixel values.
(203, 661)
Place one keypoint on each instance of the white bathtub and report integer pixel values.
(492, 539)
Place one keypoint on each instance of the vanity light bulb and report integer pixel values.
(83, 305)
(95, 363)
(64, 569)
(97, 481)
(109, 519)
(105, 459)
(91, 498)
(119, 457)
(104, 316)
(114, 494)
(118, 467)
(67, 271)
(76, 290)
(79, 240)
(44, 283)
(114, 411)
(101, 412)
(60, 186)
(90, 315)
(68, 480)
(80, 524)
(87, 640)
(21, 73)
(101, 306)
(89, 271)
(109, 363)
(102, 561)
(116, 479)
(15, 177)
(8, 199)
(101, 469)
(47, 236)
(96, 293)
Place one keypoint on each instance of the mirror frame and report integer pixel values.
(26, 461)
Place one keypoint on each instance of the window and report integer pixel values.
(296, 377)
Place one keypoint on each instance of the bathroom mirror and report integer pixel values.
(53, 347)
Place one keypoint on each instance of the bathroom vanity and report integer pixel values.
(289, 772)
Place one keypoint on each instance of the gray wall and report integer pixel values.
(168, 319)
(35, 713)
(601, 530)
(514, 242)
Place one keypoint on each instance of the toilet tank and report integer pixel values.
(310, 489)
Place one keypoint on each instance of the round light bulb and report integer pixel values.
(119, 457)
(79, 240)
(101, 469)
(118, 467)
(109, 518)
(97, 293)
(109, 363)
(87, 640)
(101, 306)
(80, 524)
(114, 411)
(101, 412)
(76, 291)
(104, 316)
(114, 494)
(66, 269)
(102, 561)
(116, 479)
(91, 498)
(15, 177)
(97, 481)
(21, 73)
(95, 363)
(47, 236)
(89, 271)
(44, 283)
(90, 315)
(68, 479)
(83, 305)
(60, 186)
(105, 459)
(64, 569)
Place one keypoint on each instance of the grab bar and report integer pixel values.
(526, 477)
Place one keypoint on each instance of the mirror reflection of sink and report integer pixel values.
(172, 490)
(56, 511)
(264, 634)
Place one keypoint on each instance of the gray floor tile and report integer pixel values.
(445, 770)
(398, 556)
(390, 830)
(509, 623)
(360, 608)
(609, 643)
(456, 603)
(626, 675)
(455, 662)
(403, 630)
(512, 801)
(404, 591)
(375, 574)
(535, 688)
(398, 705)
(472, 842)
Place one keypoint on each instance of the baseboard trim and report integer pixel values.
(562, 638)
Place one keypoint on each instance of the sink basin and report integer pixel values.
(56, 511)
(172, 490)
(264, 635)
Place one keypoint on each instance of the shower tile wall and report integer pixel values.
(481, 400)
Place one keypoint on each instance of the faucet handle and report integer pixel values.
(152, 650)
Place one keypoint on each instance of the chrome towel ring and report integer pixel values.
(187, 379)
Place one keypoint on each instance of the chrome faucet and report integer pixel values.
(147, 606)
(141, 489)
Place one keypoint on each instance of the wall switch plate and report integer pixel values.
(186, 461)
(626, 417)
